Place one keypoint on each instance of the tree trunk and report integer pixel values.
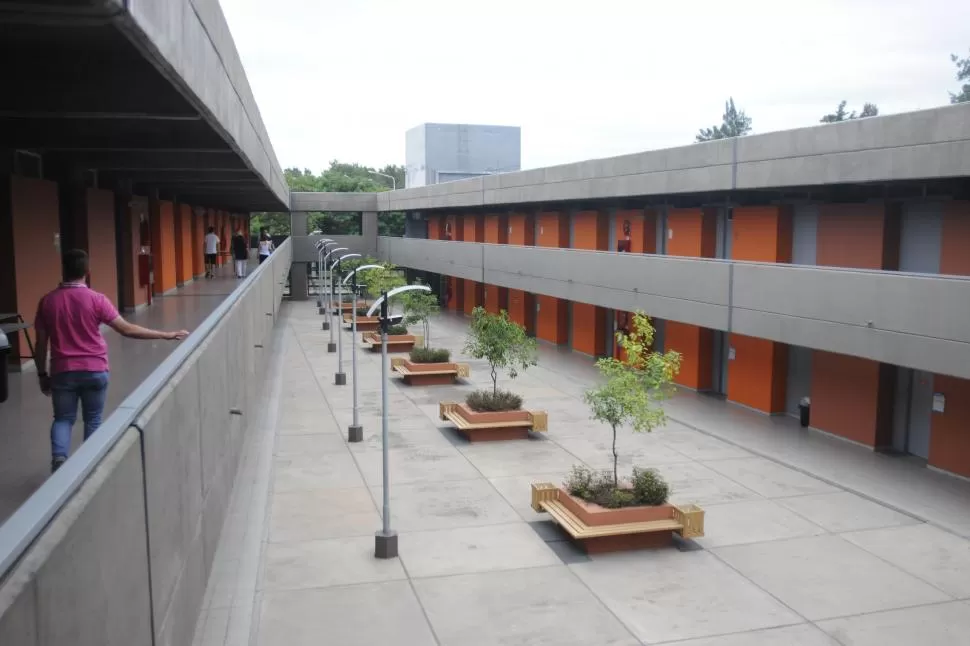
(616, 480)
(494, 382)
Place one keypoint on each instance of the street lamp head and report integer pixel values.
(361, 268)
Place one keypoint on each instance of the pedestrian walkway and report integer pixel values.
(788, 558)
(25, 418)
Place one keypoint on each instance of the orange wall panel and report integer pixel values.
(198, 244)
(758, 374)
(473, 296)
(553, 229)
(454, 228)
(496, 229)
(496, 298)
(696, 347)
(762, 234)
(522, 309)
(434, 228)
(643, 230)
(955, 239)
(473, 228)
(551, 319)
(102, 250)
(950, 430)
(589, 329)
(521, 230)
(692, 232)
(862, 236)
(163, 247)
(845, 396)
(184, 268)
(591, 230)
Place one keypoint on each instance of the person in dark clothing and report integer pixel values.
(240, 252)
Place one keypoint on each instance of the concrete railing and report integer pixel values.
(912, 320)
(117, 546)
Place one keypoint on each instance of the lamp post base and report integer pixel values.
(326, 325)
(385, 545)
(332, 346)
(355, 433)
(340, 379)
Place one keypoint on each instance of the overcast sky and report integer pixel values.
(344, 79)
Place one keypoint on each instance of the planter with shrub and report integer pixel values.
(426, 366)
(398, 339)
(599, 509)
(494, 414)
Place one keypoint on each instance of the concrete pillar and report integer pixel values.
(368, 228)
(298, 281)
(298, 223)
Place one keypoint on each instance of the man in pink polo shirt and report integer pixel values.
(69, 319)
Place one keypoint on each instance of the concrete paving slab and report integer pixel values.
(845, 512)
(692, 482)
(320, 472)
(517, 492)
(752, 521)
(934, 555)
(443, 505)
(400, 438)
(535, 606)
(416, 464)
(801, 635)
(322, 513)
(321, 564)
(360, 615)
(945, 623)
(824, 577)
(474, 549)
(518, 457)
(698, 446)
(309, 446)
(770, 479)
(665, 595)
(597, 452)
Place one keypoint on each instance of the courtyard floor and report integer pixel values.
(810, 541)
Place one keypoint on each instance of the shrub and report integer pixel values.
(430, 355)
(397, 330)
(484, 401)
(649, 487)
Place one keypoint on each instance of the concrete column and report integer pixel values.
(368, 228)
(298, 281)
(298, 223)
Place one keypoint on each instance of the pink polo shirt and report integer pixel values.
(72, 315)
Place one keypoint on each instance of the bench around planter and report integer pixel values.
(429, 374)
(599, 529)
(395, 342)
(501, 425)
(364, 323)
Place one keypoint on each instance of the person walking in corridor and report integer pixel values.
(265, 246)
(69, 320)
(240, 253)
(211, 252)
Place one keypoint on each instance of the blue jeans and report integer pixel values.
(66, 389)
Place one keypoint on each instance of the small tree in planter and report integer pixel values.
(381, 280)
(631, 394)
(419, 307)
(504, 344)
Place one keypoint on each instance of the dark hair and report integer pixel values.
(212, 229)
(74, 265)
(265, 236)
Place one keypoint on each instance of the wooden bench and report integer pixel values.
(491, 426)
(448, 373)
(687, 521)
(395, 342)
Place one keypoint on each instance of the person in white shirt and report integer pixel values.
(265, 246)
(211, 252)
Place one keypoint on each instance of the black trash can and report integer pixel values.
(804, 411)
(4, 368)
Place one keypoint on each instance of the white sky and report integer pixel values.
(344, 79)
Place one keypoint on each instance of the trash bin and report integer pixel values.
(804, 409)
(4, 368)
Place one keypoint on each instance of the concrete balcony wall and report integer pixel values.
(917, 321)
(149, 515)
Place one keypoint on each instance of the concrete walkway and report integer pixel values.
(788, 558)
(25, 418)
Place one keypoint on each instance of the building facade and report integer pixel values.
(446, 152)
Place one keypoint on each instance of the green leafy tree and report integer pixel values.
(632, 391)
(276, 224)
(963, 74)
(419, 307)
(502, 342)
(381, 280)
(735, 123)
(841, 114)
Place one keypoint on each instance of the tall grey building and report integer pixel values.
(444, 152)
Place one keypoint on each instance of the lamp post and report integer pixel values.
(385, 541)
(392, 178)
(355, 432)
(340, 379)
(321, 248)
(332, 345)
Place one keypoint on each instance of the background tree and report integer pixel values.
(419, 307)
(500, 341)
(631, 390)
(735, 123)
(963, 74)
(841, 114)
(381, 280)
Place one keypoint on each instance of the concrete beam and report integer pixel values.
(334, 202)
